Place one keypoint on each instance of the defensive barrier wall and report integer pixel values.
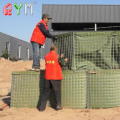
(91, 77)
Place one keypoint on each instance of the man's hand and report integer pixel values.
(62, 61)
(62, 55)
(66, 59)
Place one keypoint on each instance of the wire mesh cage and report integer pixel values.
(98, 53)
(104, 89)
(27, 89)
(74, 89)
(91, 78)
(90, 50)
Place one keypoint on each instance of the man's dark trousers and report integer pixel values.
(49, 84)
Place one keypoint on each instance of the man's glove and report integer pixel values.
(62, 62)
(55, 38)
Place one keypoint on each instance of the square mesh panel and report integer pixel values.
(74, 89)
(26, 89)
(104, 89)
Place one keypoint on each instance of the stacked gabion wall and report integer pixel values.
(27, 89)
(80, 89)
(91, 77)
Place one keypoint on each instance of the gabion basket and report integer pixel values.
(90, 50)
(104, 89)
(27, 88)
(74, 89)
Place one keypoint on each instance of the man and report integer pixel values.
(53, 77)
(38, 39)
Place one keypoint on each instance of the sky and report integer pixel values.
(21, 26)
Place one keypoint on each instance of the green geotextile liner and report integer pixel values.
(90, 50)
(74, 89)
(104, 89)
(27, 89)
(95, 47)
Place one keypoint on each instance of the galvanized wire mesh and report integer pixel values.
(90, 50)
(98, 53)
(74, 89)
(27, 88)
(104, 89)
(65, 45)
(94, 53)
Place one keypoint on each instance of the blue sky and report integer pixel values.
(22, 26)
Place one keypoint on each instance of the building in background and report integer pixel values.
(16, 48)
(73, 18)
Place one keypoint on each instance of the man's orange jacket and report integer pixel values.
(53, 69)
(37, 35)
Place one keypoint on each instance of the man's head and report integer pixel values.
(46, 18)
(53, 48)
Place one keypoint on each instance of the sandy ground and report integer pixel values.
(6, 68)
